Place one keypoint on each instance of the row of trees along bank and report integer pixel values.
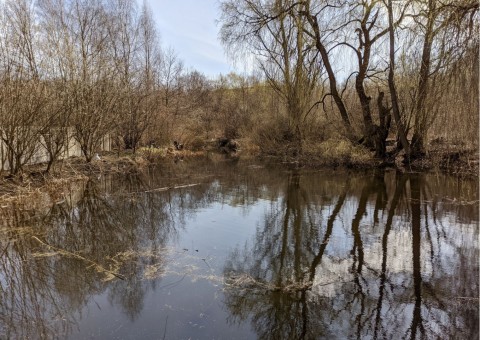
(87, 69)
(361, 69)
(364, 62)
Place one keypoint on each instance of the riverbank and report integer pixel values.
(34, 183)
(341, 153)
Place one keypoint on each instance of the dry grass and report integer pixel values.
(153, 154)
(247, 282)
(110, 274)
(332, 153)
(33, 187)
(248, 147)
(341, 152)
(35, 192)
(451, 159)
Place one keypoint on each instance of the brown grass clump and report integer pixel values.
(248, 147)
(110, 163)
(338, 152)
(37, 192)
(153, 155)
(195, 144)
(245, 281)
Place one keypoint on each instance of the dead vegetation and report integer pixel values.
(247, 282)
(33, 186)
(34, 190)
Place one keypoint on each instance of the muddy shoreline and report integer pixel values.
(34, 182)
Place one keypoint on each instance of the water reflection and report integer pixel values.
(366, 264)
(326, 255)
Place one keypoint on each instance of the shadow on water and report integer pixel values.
(329, 254)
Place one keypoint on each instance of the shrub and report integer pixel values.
(273, 136)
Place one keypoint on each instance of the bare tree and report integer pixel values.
(316, 34)
(23, 97)
(274, 32)
(233, 103)
(95, 92)
(170, 75)
(363, 32)
(54, 34)
(150, 56)
(391, 81)
(445, 28)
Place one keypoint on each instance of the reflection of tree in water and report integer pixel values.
(115, 223)
(121, 223)
(375, 257)
(26, 284)
(292, 282)
(282, 264)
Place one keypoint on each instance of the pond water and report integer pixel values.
(235, 249)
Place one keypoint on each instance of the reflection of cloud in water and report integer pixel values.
(323, 258)
(378, 270)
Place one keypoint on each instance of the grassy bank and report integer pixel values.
(340, 152)
(33, 183)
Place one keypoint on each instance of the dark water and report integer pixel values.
(245, 251)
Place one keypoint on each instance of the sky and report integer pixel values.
(190, 28)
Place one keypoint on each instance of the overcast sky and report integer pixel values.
(189, 27)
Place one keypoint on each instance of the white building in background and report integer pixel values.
(41, 154)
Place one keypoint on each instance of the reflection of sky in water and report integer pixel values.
(220, 228)
(271, 227)
(189, 309)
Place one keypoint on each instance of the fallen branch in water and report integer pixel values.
(174, 187)
(67, 253)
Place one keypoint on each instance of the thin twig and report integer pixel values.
(174, 187)
(174, 283)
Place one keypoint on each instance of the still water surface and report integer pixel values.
(229, 249)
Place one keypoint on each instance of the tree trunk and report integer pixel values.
(420, 127)
(328, 67)
(374, 137)
(370, 129)
(391, 84)
(384, 128)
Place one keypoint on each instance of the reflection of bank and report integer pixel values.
(380, 277)
(43, 290)
(303, 278)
